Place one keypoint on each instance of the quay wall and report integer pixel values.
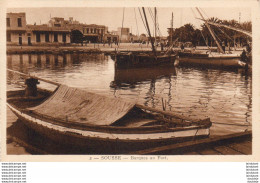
(89, 47)
(14, 49)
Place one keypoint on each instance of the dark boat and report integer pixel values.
(144, 59)
(135, 60)
(133, 76)
(79, 118)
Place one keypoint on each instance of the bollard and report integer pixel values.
(31, 88)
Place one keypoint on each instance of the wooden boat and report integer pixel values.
(211, 59)
(79, 118)
(135, 60)
(222, 59)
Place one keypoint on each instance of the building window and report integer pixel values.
(20, 39)
(55, 37)
(64, 38)
(91, 30)
(95, 31)
(38, 37)
(29, 38)
(102, 31)
(47, 37)
(8, 22)
(87, 30)
(19, 22)
(8, 37)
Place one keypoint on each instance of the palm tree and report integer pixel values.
(207, 34)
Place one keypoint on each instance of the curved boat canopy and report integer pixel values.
(77, 105)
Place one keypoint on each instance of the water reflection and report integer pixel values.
(131, 77)
(223, 95)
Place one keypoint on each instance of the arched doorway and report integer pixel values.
(76, 36)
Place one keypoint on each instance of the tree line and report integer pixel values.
(202, 36)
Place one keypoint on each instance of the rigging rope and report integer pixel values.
(204, 13)
(143, 20)
(157, 24)
(201, 31)
(136, 23)
(122, 25)
(216, 26)
(225, 33)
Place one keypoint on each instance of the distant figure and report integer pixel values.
(182, 47)
(244, 57)
(229, 50)
(248, 48)
(161, 46)
(223, 46)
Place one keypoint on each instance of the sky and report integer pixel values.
(113, 17)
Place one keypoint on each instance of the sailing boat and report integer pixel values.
(246, 57)
(141, 59)
(222, 59)
(79, 118)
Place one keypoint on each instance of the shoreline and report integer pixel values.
(89, 48)
(93, 48)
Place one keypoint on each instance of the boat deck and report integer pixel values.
(233, 144)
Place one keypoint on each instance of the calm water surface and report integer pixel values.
(223, 95)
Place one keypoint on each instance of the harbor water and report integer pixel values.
(225, 96)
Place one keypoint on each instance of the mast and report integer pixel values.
(122, 25)
(155, 26)
(171, 28)
(211, 32)
(149, 33)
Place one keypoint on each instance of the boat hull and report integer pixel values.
(105, 142)
(229, 62)
(142, 60)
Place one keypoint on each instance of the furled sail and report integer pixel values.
(230, 27)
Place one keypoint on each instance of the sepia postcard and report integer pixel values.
(130, 81)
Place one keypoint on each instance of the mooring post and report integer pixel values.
(31, 87)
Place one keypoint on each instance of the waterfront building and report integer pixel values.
(57, 31)
(80, 32)
(43, 34)
(19, 33)
(170, 33)
(134, 38)
(16, 28)
(143, 38)
(124, 34)
(111, 37)
(94, 33)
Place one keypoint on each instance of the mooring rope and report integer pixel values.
(232, 124)
(28, 75)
